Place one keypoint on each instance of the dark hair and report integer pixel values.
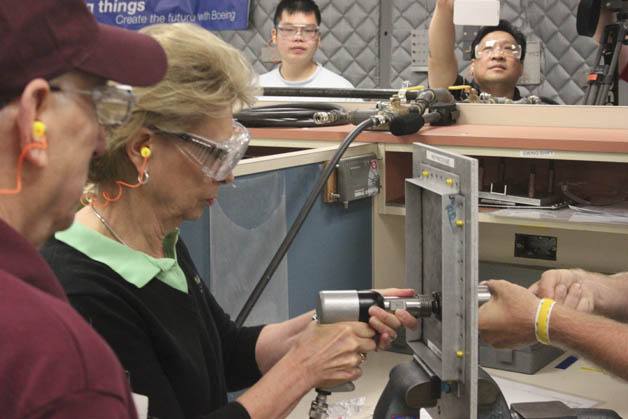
(297, 6)
(502, 26)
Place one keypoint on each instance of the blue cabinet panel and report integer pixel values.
(332, 250)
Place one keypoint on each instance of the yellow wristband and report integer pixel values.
(542, 320)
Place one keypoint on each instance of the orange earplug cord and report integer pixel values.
(41, 144)
(90, 197)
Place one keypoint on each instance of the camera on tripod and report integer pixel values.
(589, 14)
(602, 80)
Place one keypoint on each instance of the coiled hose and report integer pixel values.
(286, 115)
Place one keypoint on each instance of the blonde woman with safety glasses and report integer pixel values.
(125, 269)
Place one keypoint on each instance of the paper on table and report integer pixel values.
(515, 392)
(535, 214)
(597, 215)
(616, 214)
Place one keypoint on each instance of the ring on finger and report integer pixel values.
(362, 357)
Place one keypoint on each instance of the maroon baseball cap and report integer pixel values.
(47, 38)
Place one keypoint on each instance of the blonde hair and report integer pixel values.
(205, 77)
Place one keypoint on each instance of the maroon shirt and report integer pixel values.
(52, 363)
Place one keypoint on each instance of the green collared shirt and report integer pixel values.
(134, 266)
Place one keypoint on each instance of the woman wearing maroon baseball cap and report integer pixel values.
(55, 61)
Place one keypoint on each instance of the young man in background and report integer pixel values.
(297, 36)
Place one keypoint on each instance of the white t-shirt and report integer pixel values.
(321, 78)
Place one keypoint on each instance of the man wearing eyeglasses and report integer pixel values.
(297, 36)
(54, 102)
(497, 55)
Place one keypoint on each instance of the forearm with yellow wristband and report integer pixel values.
(542, 320)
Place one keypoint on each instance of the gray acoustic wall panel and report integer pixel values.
(351, 41)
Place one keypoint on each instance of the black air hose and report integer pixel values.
(285, 115)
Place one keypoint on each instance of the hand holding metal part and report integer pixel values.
(354, 305)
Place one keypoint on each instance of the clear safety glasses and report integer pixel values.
(216, 159)
(307, 32)
(488, 48)
(113, 104)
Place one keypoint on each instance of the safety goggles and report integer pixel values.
(488, 48)
(306, 32)
(216, 159)
(113, 103)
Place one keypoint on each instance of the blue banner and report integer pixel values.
(135, 14)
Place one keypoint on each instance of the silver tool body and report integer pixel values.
(353, 305)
